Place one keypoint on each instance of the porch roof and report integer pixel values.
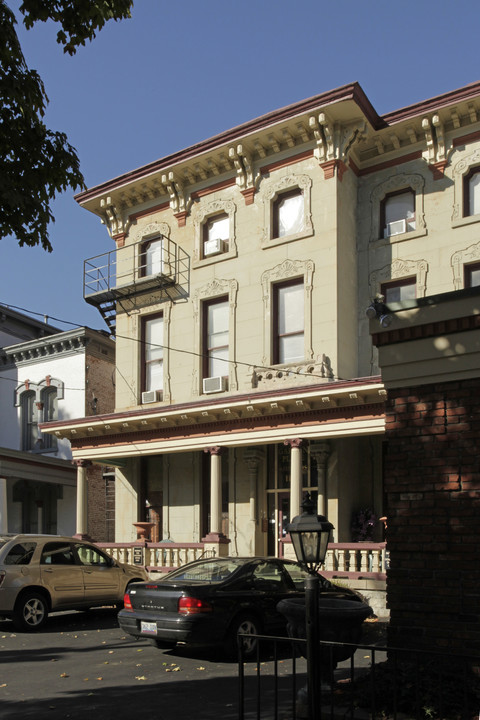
(312, 412)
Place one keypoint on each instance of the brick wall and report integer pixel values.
(432, 484)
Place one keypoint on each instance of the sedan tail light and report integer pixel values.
(190, 605)
(127, 603)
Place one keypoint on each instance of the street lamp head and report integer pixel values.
(310, 536)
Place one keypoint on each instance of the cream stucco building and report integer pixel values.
(236, 283)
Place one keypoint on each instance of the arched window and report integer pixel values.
(29, 420)
(49, 402)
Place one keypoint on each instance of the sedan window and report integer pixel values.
(268, 577)
(56, 553)
(20, 554)
(205, 572)
(297, 574)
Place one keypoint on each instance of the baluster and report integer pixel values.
(342, 560)
(364, 560)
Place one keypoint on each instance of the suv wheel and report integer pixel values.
(31, 611)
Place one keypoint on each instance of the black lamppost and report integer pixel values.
(310, 535)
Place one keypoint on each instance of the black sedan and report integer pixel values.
(209, 601)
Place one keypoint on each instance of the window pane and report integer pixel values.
(290, 215)
(217, 318)
(154, 354)
(290, 309)
(218, 362)
(154, 339)
(153, 258)
(474, 194)
(291, 348)
(218, 228)
(401, 292)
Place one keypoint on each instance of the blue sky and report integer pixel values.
(177, 73)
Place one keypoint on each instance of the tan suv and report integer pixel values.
(43, 573)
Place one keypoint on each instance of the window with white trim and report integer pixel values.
(472, 275)
(289, 322)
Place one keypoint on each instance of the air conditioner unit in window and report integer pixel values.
(151, 396)
(214, 384)
(212, 247)
(395, 228)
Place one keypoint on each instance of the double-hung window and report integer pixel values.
(288, 213)
(289, 322)
(215, 331)
(151, 257)
(153, 355)
(29, 419)
(216, 232)
(49, 403)
(399, 290)
(398, 213)
(471, 193)
(472, 275)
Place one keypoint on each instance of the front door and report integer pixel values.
(278, 519)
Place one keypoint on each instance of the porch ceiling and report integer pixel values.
(332, 410)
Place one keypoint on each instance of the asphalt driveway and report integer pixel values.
(82, 665)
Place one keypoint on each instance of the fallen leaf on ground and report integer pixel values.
(200, 668)
(3, 685)
(140, 677)
(64, 675)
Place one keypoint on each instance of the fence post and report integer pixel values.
(313, 646)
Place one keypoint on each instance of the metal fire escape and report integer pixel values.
(128, 274)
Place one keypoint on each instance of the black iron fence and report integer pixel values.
(376, 683)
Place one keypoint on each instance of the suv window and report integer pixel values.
(91, 556)
(20, 554)
(57, 553)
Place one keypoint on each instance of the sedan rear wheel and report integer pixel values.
(246, 625)
(31, 611)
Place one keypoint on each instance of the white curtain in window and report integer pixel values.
(218, 228)
(291, 323)
(154, 354)
(290, 215)
(400, 207)
(217, 329)
(154, 258)
(474, 191)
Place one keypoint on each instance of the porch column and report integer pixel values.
(295, 475)
(3, 506)
(215, 490)
(215, 541)
(320, 451)
(252, 457)
(82, 519)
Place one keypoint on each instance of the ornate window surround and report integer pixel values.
(402, 181)
(205, 212)
(461, 169)
(287, 270)
(462, 258)
(270, 191)
(397, 270)
(137, 322)
(214, 289)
